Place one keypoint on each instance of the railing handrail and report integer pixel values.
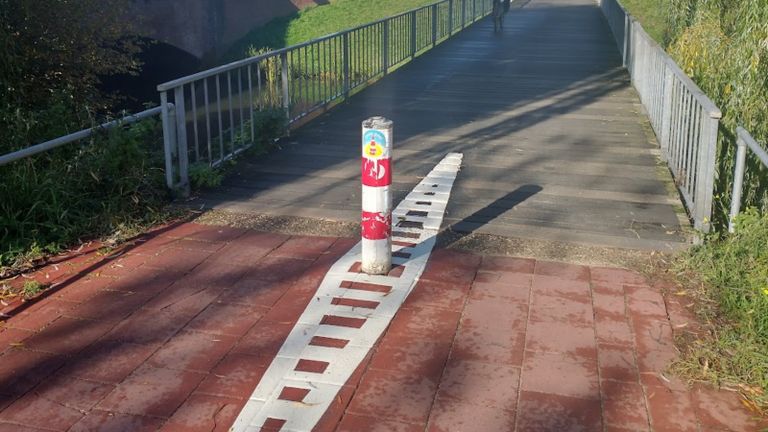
(744, 140)
(685, 119)
(753, 145)
(218, 121)
(255, 59)
(76, 136)
(706, 103)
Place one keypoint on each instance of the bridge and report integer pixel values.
(205, 28)
(199, 327)
(556, 145)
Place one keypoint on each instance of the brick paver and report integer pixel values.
(175, 332)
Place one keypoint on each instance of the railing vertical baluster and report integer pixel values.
(450, 18)
(698, 113)
(240, 101)
(338, 71)
(345, 60)
(194, 122)
(207, 120)
(678, 124)
(666, 114)
(434, 25)
(284, 78)
(625, 48)
(706, 177)
(168, 144)
(463, 13)
(181, 140)
(385, 47)
(304, 97)
(686, 135)
(250, 103)
(260, 90)
(315, 75)
(221, 121)
(231, 111)
(738, 181)
(413, 34)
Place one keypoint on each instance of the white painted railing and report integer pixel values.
(218, 110)
(685, 120)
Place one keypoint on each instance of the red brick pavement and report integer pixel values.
(175, 333)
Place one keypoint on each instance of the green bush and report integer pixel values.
(108, 183)
(733, 275)
(202, 175)
(723, 47)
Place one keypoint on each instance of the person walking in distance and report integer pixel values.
(498, 15)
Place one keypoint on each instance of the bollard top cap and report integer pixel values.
(377, 122)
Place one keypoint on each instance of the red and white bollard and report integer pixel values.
(377, 196)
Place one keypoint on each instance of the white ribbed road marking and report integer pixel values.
(416, 220)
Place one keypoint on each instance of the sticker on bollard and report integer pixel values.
(377, 172)
(376, 221)
(376, 226)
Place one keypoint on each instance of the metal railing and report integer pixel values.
(85, 133)
(219, 109)
(685, 120)
(744, 141)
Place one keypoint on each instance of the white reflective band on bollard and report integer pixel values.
(376, 224)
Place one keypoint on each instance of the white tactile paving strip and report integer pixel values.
(350, 311)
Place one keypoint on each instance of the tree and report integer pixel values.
(52, 55)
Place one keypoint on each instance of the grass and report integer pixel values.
(652, 15)
(109, 185)
(317, 21)
(31, 288)
(728, 278)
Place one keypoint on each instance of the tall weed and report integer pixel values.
(108, 183)
(723, 47)
(732, 273)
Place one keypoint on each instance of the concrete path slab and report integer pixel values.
(553, 134)
(176, 332)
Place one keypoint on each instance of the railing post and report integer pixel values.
(450, 18)
(169, 141)
(181, 140)
(376, 223)
(385, 46)
(738, 181)
(413, 34)
(434, 24)
(284, 84)
(474, 10)
(345, 61)
(463, 13)
(705, 180)
(666, 113)
(627, 25)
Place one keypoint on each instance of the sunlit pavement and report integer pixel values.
(176, 332)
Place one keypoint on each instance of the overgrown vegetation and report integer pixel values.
(108, 184)
(31, 288)
(723, 46)
(316, 21)
(52, 56)
(730, 278)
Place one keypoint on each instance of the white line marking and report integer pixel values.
(323, 387)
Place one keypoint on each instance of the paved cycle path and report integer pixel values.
(174, 332)
(551, 130)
